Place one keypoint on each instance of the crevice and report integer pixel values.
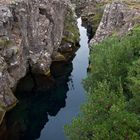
(89, 27)
(44, 12)
(89, 32)
(32, 75)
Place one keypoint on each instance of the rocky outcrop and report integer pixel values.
(91, 12)
(118, 19)
(31, 37)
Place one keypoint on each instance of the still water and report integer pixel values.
(46, 107)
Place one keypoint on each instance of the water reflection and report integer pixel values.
(28, 118)
(37, 103)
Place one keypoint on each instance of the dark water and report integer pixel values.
(44, 109)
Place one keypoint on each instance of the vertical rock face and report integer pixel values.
(31, 32)
(12, 65)
(41, 24)
(91, 12)
(118, 19)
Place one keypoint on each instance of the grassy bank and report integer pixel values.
(112, 109)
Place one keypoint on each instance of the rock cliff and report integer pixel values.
(91, 12)
(33, 33)
(107, 17)
(119, 17)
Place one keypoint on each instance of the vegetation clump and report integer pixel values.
(5, 43)
(112, 109)
(71, 31)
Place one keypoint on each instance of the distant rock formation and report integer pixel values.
(119, 17)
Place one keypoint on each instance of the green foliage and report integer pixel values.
(134, 86)
(112, 110)
(5, 43)
(72, 34)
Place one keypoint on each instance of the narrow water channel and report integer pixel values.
(53, 130)
(44, 110)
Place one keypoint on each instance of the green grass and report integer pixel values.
(112, 109)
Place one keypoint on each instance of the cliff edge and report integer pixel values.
(119, 17)
(33, 33)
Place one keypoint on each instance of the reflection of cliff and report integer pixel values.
(26, 121)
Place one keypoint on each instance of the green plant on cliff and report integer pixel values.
(96, 19)
(112, 110)
(5, 43)
(71, 30)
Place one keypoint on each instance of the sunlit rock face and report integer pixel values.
(118, 19)
(31, 32)
(41, 24)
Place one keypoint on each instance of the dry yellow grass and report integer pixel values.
(6, 1)
(133, 3)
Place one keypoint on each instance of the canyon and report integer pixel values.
(34, 34)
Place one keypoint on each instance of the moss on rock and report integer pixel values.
(70, 25)
(59, 57)
(71, 33)
(5, 43)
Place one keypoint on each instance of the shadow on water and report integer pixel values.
(28, 118)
